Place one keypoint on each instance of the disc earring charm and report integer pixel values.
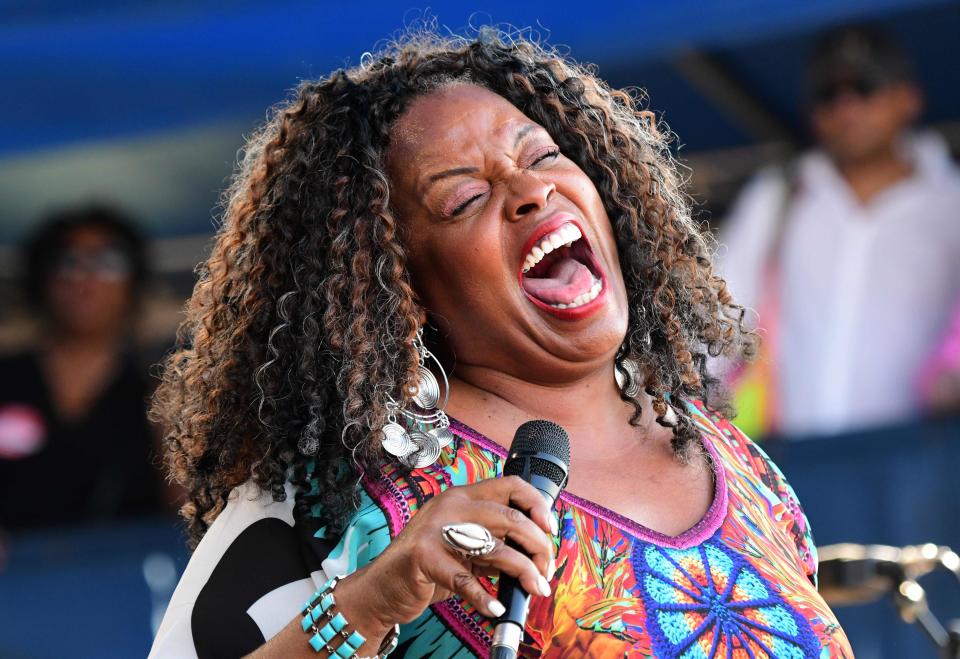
(395, 440)
(629, 383)
(428, 389)
(426, 453)
(443, 436)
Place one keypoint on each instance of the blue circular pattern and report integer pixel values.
(707, 601)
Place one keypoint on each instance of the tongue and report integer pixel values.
(566, 280)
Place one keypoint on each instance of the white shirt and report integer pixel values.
(866, 290)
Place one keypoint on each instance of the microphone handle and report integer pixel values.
(507, 634)
(504, 651)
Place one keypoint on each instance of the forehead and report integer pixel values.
(439, 124)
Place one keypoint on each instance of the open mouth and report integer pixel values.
(560, 271)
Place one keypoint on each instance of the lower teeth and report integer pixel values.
(589, 296)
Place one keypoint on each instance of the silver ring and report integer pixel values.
(468, 540)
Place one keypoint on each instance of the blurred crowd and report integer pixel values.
(846, 256)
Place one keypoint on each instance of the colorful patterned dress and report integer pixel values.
(740, 584)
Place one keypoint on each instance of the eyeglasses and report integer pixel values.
(106, 263)
(829, 92)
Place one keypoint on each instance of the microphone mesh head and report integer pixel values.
(540, 437)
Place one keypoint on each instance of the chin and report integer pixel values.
(598, 335)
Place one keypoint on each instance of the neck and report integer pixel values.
(870, 176)
(591, 403)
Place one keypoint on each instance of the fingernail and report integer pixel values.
(551, 569)
(496, 608)
(554, 527)
(543, 586)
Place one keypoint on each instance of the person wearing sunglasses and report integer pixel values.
(75, 443)
(850, 253)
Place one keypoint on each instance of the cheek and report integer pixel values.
(581, 190)
(117, 296)
(105, 294)
(822, 123)
(890, 120)
(451, 270)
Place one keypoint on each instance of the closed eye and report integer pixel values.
(548, 155)
(462, 207)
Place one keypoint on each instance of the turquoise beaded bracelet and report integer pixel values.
(320, 608)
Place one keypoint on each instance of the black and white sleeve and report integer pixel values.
(248, 578)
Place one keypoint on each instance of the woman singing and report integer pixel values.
(419, 255)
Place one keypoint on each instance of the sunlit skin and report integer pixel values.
(860, 132)
(513, 360)
(466, 266)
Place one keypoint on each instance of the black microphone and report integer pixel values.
(540, 455)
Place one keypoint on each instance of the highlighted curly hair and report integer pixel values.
(304, 316)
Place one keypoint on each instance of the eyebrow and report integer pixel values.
(523, 132)
(457, 171)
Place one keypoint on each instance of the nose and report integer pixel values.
(528, 194)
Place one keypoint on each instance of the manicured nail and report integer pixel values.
(496, 608)
(543, 586)
(554, 526)
(551, 569)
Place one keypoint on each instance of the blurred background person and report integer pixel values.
(75, 444)
(850, 254)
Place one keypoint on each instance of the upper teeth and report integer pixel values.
(565, 235)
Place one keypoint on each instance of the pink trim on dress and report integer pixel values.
(693, 536)
(386, 495)
(463, 626)
(391, 501)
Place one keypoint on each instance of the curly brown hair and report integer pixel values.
(304, 317)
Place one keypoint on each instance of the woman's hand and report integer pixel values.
(418, 568)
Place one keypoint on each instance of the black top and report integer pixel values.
(54, 471)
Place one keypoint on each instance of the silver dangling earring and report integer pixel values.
(426, 429)
(628, 382)
(630, 385)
